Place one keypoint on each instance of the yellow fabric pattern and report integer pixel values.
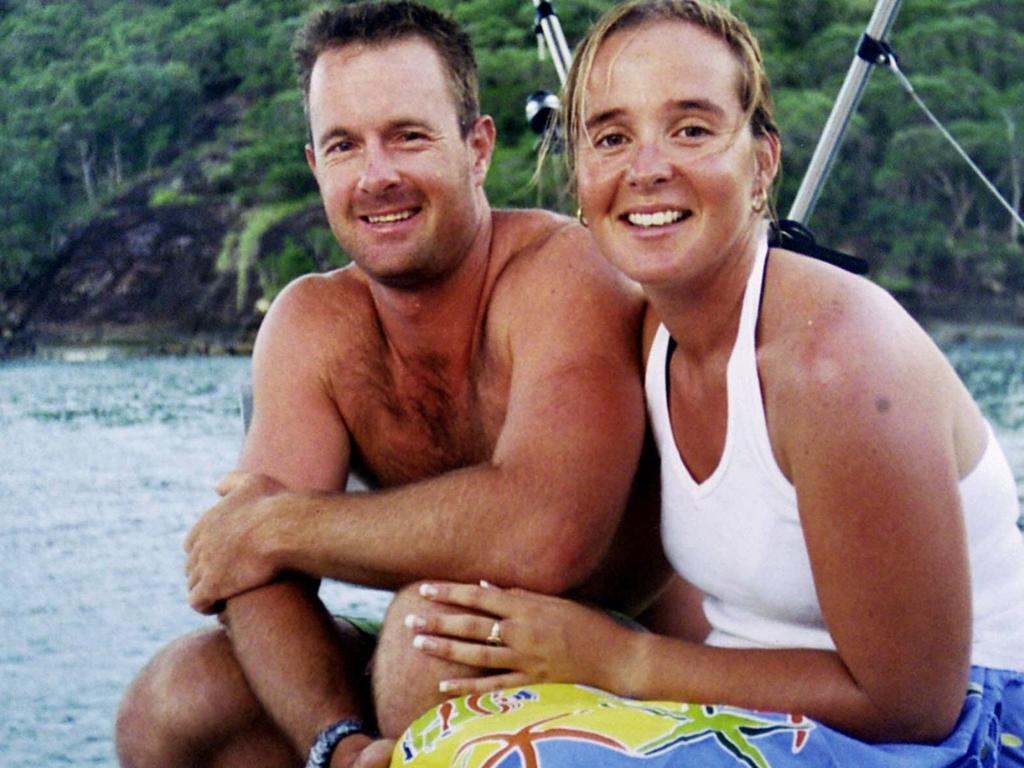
(479, 731)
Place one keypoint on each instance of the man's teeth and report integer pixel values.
(387, 218)
(659, 219)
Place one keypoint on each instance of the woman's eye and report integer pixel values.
(610, 140)
(693, 131)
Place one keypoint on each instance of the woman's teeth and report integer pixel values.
(658, 219)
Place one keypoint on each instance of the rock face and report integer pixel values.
(139, 276)
(161, 268)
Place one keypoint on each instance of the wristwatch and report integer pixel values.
(328, 739)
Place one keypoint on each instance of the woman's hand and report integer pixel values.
(530, 638)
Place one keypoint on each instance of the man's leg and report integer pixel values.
(405, 680)
(191, 706)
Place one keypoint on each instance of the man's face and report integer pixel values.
(402, 189)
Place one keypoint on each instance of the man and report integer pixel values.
(480, 366)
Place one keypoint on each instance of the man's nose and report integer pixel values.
(379, 171)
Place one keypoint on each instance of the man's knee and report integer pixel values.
(405, 681)
(168, 712)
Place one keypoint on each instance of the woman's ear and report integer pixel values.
(767, 154)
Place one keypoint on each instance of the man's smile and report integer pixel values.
(390, 218)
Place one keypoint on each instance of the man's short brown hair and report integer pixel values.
(381, 23)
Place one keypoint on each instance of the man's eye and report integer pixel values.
(338, 146)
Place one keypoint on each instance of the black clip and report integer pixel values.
(875, 51)
(794, 236)
(544, 9)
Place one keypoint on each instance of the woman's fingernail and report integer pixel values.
(423, 643)
(485, 584)
(412, 621)
(444, 686)
(428, 590)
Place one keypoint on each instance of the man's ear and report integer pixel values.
(311, 160)
(481, 140)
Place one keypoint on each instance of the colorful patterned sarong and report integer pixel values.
(563, 726)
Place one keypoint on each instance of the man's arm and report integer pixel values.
(575, 407)
(283, 637)
(540, 513)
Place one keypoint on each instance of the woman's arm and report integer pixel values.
(863, 414)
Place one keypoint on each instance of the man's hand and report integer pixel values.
(225, 556)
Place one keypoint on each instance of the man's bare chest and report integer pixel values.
(412, 425)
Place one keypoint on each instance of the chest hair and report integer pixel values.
(422, 421)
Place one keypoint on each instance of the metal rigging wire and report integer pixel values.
(905, 83)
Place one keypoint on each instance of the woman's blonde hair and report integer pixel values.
(755, 91)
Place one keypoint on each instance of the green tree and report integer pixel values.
(101, 94)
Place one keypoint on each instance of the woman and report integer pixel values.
(827, 480)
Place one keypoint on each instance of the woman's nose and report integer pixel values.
(649, 165)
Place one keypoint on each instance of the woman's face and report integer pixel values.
(668, 171)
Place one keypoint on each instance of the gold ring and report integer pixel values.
(495, 637)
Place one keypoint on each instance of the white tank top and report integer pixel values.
(737, 535)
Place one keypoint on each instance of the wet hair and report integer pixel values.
(754, 89)
(382, 23)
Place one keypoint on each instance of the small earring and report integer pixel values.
(760, 203)
(581, 218)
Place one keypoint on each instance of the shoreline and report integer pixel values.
(943, 330)
(99, 352)
(99, 346)
(952, 321)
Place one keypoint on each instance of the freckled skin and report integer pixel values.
(865, 418)
(447, 364)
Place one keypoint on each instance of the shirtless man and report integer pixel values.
(480, 366)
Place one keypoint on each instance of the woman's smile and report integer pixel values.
(667, 175)
(656, 219)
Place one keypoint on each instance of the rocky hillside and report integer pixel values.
(160, 272)
(155, 191)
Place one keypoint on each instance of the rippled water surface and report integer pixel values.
(103, 466)
(994, 373)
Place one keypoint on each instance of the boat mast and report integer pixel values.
(870, 51)
(549, 31)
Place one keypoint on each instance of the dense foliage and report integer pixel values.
(100, 94)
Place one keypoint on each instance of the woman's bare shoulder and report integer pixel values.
(820, 321)
(836, 351)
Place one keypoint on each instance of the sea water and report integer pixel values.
(104, 465)
(103, 468)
